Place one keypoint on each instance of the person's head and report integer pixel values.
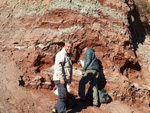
(68, 46)
(84, 48)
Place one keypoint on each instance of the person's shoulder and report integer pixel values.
(60, 53)
(90, 50)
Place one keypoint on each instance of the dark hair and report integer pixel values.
(84, 46)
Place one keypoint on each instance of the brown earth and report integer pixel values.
(32, 32)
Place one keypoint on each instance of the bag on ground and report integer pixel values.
(104, 98)
(56, 91)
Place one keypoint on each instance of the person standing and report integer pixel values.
(63, 75)
(91, 68)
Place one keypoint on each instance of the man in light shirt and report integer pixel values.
(63, 75)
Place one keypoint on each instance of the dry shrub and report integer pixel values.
(143, 5)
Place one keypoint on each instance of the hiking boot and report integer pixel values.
(54, 110)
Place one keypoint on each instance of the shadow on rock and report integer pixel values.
(101, 79)
(78, 107)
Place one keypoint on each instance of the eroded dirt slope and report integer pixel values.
(33, 31)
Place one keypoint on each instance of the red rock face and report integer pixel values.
(31, 40)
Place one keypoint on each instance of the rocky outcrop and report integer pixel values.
(32, 32)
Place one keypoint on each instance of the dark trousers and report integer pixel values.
(62, 96)
(92, 76)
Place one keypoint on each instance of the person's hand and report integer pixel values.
(82, 72)
(62, 81)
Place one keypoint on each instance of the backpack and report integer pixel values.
(104, 98)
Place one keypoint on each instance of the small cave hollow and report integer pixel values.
(130, 65)
(21, 81)
(38, 61)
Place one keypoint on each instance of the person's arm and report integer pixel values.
(87, 61)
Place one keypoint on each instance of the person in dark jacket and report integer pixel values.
(91, 68)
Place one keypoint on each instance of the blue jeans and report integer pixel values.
(62, 96)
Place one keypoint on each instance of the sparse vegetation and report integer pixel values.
(144, 6)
